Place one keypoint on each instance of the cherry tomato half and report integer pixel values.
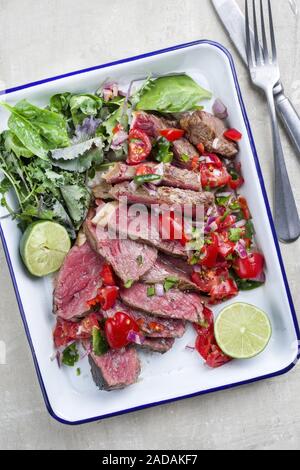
(209, 252)
(224, 289)
(139, 147)
(214, 176)
(172, 134)
(250, 267)
(226, 247)
(118, 328)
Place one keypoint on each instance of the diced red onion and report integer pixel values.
(132, 186)
(240, 224)
(118, 139)
(159, 290)
(240, 248)
(219, 109)
(197, 269)
(136, 338)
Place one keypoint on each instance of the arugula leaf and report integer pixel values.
(77, 199)
(83, 106)
(172, 94)
(100, 345)
(70, 355)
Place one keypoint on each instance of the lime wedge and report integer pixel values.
(242, 331)
(44, 247)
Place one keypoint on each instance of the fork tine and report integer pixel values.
(257, 48)
(264, 37)
(248, 37)
(273, 40)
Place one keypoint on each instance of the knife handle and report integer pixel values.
(290, 118)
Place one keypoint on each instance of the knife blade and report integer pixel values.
(234, 22)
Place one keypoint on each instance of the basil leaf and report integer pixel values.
(70, 355)
(172, 94)
(100, 345)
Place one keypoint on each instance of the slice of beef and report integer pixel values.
(183, 150)
(174, 304)
(161, 196)
(116, 369)
(78, 282)
(151, 327)
(184, 153)
(158, 345)
(102, 191)
(171, 175)
(203, 127)
(164, 269)
(151, 124)
(123, 255)
(144, 228)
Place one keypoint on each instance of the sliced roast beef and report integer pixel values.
(183, 150)
(158, 345)
(78, 282)
(144, 228)
(151, 327)
(123, 255)
(184, 153)
(102, 190)
(116, 369)
(165, 269)
(203, 127)
(161, 196)
(170, 175)
(151, 124)
(173, 304)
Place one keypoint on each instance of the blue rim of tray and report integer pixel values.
(267, 204)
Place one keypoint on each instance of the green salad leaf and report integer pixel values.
(13, 144)
(60, 103)
(172, 94)
(39, 130)
(70, 355)
(77, 199)
(82, 106)
(79, 157)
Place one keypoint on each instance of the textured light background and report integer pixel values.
(39, 39)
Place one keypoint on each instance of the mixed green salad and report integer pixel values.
(48, 154)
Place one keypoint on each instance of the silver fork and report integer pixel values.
(265, 74)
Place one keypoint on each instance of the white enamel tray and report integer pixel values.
(180, 373)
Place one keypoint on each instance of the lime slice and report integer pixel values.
(242, 331)
(44, 247)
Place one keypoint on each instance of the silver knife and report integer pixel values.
(234, 22)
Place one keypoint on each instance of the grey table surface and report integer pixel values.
(41, 39)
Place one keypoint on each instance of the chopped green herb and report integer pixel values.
(222, 201)
(235, 234)
(100, 345)
(151, 291)
(194, 260)
(70, 355)
(162, 147)
(250, 231)
(78, 372)
(246, 285)
(170, 283)
(184, 158)
(235, 206)
(227, 213)
(129, 284)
